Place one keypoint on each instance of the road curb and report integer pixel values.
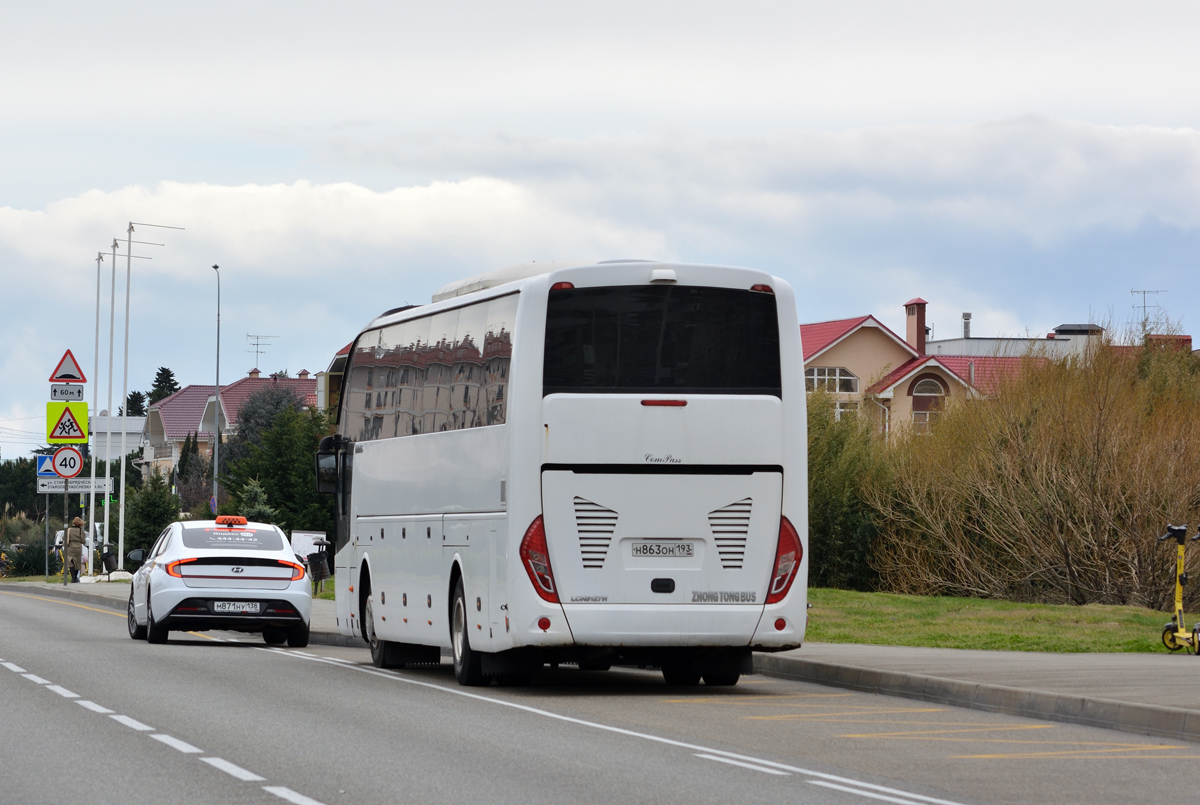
(79, 596)
(69, 593)
(1146, 719)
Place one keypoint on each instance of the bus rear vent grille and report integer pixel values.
(595, 525)
(730, 526)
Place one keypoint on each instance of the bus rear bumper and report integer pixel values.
(663, 625)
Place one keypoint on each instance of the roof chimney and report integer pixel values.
(966, 325)
(915, 329)
(254, 373)
(303, 374)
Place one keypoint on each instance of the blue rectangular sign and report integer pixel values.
(45, 467)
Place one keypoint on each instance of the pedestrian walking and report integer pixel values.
(73, 549)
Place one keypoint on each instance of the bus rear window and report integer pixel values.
(661, 338)
(238, 539)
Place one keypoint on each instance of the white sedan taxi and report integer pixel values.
(220, 574)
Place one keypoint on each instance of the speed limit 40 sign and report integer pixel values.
(68, 462)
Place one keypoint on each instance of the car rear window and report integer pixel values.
(237, 538)
(661, 338)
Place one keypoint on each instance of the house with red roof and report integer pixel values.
(194, 410)
(868, 367)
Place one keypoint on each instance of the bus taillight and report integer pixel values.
(787, 560)
(536, 558)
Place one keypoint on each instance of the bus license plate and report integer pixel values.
(669, 549)
(242, 607)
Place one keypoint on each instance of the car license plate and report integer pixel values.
(239, 607)
(669, 549)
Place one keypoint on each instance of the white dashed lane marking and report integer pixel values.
(867, 794)
(61, 691)
(12, 666)
(37, 680)
(175, 743)
(133, 722)
(290, 795)
(229, 768)
(95, 708)
(731, 762)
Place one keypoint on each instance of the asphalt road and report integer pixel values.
(91, 716)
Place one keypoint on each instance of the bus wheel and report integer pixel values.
(680, 674)
(383, 655)
(468, 665)
(726, 680)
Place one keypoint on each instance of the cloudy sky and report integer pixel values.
(1028, 162)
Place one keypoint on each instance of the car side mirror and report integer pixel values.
(137, 556)
(327, 472)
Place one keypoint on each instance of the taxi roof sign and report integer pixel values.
(68, 370)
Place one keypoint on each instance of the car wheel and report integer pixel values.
(155, 632)
(722, 680)
(298, 636)
(468, 665)
(274, 635)
(135, 631)
(680, 674)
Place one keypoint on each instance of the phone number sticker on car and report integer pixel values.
(669, 549)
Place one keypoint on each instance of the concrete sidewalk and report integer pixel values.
(1149, 694)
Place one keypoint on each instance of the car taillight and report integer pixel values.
(536, 559)
(297, 569)
(787, 561)
(173, 567)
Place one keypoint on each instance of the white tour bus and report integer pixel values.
(584, 464)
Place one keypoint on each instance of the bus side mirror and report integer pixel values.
(327, 475)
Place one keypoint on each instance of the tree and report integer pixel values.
(254, 503)
(280, 459)
(255, 417)
(150, 509)
(135, 404)
(164, 385)
(18, 486)
(189, 459)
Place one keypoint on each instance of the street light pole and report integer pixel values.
(217, 406)
(124, 397)
(96, 409)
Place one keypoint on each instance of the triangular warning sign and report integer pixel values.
(67, 427)
(68, 370)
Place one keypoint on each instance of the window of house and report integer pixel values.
(929, 388)
(923, 419)
(844, 409)
(830, 378)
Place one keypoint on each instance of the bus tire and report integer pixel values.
(468, 665)
(728, 679)
(680, 674)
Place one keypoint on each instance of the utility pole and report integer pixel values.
(217, 405)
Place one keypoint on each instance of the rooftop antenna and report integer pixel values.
(259, 342)
(1145, 305)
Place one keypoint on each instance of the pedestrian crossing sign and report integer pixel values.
(66, 422)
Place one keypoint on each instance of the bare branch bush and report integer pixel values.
(1056, 488)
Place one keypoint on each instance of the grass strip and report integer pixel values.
(887, 619)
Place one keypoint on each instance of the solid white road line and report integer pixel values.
(61, 691)
(36, 679)
(763, 769)
(229, 768)
(132, 722)
(290, 795)
(95, 708)
(12, 666)
(175, 743)
(621, 731)
(862, 793)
